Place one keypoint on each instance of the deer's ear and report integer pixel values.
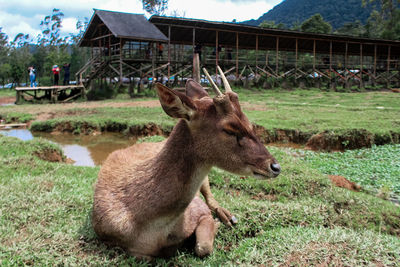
(175, 104)
(194, 90)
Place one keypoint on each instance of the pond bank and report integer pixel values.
(80, 150)
(329, 140)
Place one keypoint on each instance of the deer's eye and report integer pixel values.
(237, 135)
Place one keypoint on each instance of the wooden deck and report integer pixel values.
(51, 92)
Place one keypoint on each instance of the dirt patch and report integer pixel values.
(45, 116)
(148, 130)
(281, 135)
(144, 103)
(252, 106)
(7, 100)
(317, 254)
(262, 196)
(341, 181)
(50, 155)
(331, 141)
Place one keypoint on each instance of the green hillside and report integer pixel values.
(337, 13)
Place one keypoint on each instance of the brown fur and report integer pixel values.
(149, 205)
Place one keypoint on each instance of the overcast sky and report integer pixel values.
(24, 16)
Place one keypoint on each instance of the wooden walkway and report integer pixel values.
(51, 92)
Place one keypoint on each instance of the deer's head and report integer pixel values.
(221, 133)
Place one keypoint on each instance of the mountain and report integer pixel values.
(336, 12)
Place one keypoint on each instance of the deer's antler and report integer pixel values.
(224, 80)
(213, 85)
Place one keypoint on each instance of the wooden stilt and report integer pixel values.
(237, 56)
(361, 66)
(388, 68)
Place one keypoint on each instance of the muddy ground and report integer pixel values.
(7, 100)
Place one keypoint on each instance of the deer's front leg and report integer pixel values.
(223, 214)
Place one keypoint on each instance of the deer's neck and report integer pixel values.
(178, 165)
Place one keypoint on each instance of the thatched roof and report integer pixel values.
(121, 25)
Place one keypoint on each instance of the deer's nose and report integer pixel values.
(276, 168)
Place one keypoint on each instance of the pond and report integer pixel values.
(84, 150)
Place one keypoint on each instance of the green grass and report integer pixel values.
(374, 169)
(7, 92)
(106, 119)
(306, 111)
(314, 110)
(297, 219)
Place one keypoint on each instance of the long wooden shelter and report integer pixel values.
(128, 47)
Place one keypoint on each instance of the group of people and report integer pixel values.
(56, 74)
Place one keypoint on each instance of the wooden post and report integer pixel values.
(375, 55)
(109, 48)
(314, 53)
(277, 56)
(120, 61)
(330, 55)
(216, 55)
(196, 67)
(361, 66)
(388, 68)
(193, 39)
(332, 83)
(237, 56)
(295, 62)
(153, 62)
(345, 64)
(18, 97)
(256, 55)
(169, 51)
(196, 63)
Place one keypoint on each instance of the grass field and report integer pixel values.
(309, 111)
(298, 219)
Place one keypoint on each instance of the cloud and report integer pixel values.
(226, 10)
(25, 15)
(69, 26)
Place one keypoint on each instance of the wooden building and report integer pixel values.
(128, 47)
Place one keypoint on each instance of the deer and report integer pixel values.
(149, 150)
(150, 206)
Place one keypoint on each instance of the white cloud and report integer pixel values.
(25, 15)
(69, 26)
(222, 10)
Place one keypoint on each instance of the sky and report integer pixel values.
(24, 16)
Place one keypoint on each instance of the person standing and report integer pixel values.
(56, 73)
(32, 76)
(66, 73)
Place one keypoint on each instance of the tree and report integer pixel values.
(384, 23)
(271, 25)
(352, 28)
(3, 45)
(5, 72)
(316, 24)
(375, 25)
(392, 31)
(387, 7)
(51, 26)
(156, 7)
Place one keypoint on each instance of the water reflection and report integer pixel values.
(22, 134)
(80, 154)
(84, 150)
